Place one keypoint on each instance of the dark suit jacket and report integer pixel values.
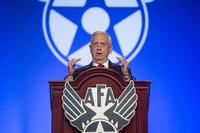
(111, 65)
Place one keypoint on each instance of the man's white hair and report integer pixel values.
(101, 32)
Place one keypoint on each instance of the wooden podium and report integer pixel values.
(89, 78)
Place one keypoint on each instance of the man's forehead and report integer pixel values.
(99, 37)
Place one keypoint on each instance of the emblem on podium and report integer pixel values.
(99, 111)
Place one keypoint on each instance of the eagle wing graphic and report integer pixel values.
(124, 108)
(75, 109)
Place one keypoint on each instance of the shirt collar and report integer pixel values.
(105, 64)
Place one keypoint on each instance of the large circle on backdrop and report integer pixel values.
(68, 25)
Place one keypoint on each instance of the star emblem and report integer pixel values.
(68, 25)
(77, 15)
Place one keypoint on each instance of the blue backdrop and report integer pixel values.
(169, 58)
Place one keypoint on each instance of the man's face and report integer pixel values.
(100, 48)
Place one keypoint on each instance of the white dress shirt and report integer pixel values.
(105, 64)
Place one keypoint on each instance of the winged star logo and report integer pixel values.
(99, 111)
(68, 25)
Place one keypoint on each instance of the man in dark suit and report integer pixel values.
(100, 48)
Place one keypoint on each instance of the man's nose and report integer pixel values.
(98, 46)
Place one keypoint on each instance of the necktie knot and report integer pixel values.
(100, 65)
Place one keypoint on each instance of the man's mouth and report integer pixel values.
(99, 53)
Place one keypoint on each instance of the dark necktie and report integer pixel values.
(100, 65)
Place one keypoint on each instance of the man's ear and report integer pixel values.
(90, 48)
(110, 49)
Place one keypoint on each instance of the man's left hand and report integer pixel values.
(124, 65)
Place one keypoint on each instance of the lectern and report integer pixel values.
(89, 78)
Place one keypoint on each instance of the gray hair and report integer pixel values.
(101, 32)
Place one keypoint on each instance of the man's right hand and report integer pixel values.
(71, 65)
